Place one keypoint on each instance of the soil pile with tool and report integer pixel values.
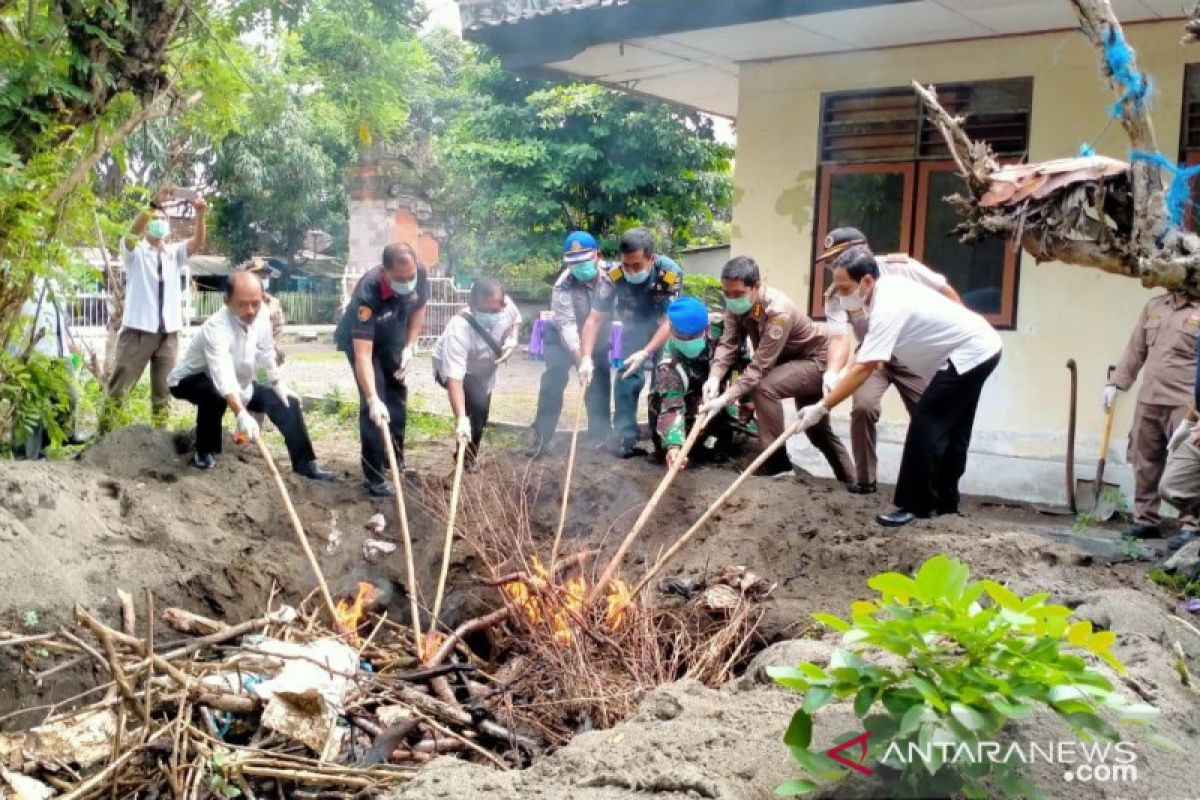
(130, 515)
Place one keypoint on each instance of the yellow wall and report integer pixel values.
(1062, 311)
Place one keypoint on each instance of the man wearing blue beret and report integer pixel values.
(676, 394)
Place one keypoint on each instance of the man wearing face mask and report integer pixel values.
(217, 373)
(845, 310)
(466, 356)
(942, 342)
(153, 311)
(266, 273)
(642, 287)
(676, 393)
(378, 333)
(570, 304)
(789, 358)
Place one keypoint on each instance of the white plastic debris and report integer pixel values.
(376, 524)
(24, 787)
(84, 739)
(376, 549)
(307, 696)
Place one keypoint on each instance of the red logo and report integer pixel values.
(835, 753)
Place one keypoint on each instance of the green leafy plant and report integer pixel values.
(218, 781)
(969, 658)
(1179, 583)
(705, 289)
(30, 619)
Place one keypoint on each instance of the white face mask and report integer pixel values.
(850, 302)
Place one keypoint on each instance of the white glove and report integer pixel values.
(247, 426)
(406, 357)
(714, 406)
(1110, 396)
(634, 363)
(283, 392)
(811, 415)
(462, 431)
(506, 351)
(1182, 432)
(377, 411)
(829, 380)
(712, 387)
(585, 369)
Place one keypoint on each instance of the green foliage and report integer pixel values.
(706, 289)
(33, 396)
(526, 161)
(974, 656)
(1179, 583)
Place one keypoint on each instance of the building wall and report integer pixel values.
(1062, 311)
(705, 261)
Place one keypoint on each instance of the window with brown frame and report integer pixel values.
(885, 170)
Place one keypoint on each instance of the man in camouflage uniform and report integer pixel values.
(676, 394)
(570, 304)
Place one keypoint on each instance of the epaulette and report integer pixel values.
(615, 273)
(896, 258)
(669, 277)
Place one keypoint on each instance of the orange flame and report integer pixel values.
(558, 609)
(350, 614)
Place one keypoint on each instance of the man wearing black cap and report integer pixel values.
(844, 312)
(378, 333)
(570, 305)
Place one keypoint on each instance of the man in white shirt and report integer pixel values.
(843, 312)
(217, 372)
(467, 354)
(49, 332)
(941, 341)
(153, 311)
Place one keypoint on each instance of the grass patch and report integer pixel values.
(1176, 583)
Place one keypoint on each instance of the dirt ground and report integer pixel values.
(130, 514)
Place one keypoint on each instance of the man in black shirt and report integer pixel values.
(378, 333)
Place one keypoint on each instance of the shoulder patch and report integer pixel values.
(670, 278)
(774, 330)
(364, 313)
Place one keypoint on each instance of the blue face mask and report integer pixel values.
(403, 287)
(584, 270)
(689, 348)
(487, 319)
(638, 277)
(738, 305)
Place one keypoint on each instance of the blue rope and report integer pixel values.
(1118, 57)
(1179, 195)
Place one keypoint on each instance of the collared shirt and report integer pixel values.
(377, 314)
(570, 304)
(275, 315)
(924, 329)
(1163, 348)
(48, 320)
(144, 289)
(460, 350)
(837, 318)
(779, 332)
(230, 353)
(640, 306)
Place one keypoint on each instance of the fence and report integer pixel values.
(445, 300)
(299, 308)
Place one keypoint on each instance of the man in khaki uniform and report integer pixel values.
(1163, 348)
(789, 358)
(845, 312)
(266, 273)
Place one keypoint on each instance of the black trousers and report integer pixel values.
(597, 399)
(210, 408)
(479, 405)
(939, 435)
(394, 395)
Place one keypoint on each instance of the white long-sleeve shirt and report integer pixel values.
(48, 319)
(460, 351)
(142, 286)
(230, 353)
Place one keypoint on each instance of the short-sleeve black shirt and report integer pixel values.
(377, 314)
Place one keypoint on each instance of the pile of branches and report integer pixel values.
(568, 665)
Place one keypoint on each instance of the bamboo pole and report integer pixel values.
(299, 530)
(459, 464)
(562, 514)
(644, 517)
(390, 446)
(792, 430)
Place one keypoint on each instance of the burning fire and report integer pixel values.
(555, 607)
(350, 615)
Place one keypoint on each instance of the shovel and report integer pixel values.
(1072, 509)
(1096, 497)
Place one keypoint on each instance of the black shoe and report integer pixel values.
(313, 471)
(379, 488)
(1142, 530)
(777, 466)
(1180, 539)
(861, 488)
(624, 449)
(204, 461)
(538, 447)
(898, 518)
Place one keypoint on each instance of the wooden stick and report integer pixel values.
(128, 613)
(459, 464)
(464, 630)
(85, 788)
(390, 446)
(40, 637)
(779, 442)
(562, 514)
(657, 497)
(299, 530)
